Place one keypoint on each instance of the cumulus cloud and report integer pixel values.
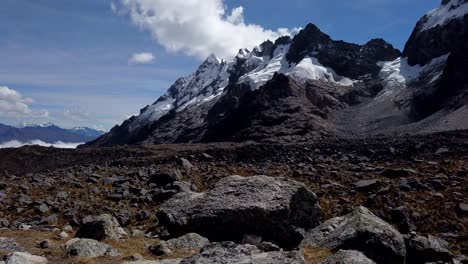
(141, 58)
(197, 27)
(58, 144)
(14, 104)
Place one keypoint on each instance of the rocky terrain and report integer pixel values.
(369, 200)
(303, 150)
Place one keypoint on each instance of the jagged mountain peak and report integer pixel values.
(212, 59)
(339, 87)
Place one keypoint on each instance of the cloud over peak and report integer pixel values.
(197, 27)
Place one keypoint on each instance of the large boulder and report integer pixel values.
(362, 231)
(24, 258)
(348, 257)
(101, 227)
(189, 242)
(231, 253)
(421, 250)
(275, 209)
(89, 248)
(162, 261)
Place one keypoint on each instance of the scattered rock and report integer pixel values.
(63, 235)
(397, 173)
(273, 208)
(348, 257)
(189, 242)
(162, 261)
(360, 230)
(67, 228)
(43, 208)
(230, 253)
(101, 227)
(44, 244)
(135, 257)
(367, 185)
(62, 195)
(161, 248)
(268, 247)
(422, 250)
(24, 258)
(186, 164)
(8, 244)
(251, 239)
(4, 223)
(90, 248)
(163, 178)
(441, 151)
(462, 209)
(401, 218)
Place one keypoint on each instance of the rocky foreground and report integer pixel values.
(378, 200)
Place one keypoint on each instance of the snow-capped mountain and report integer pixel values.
(48, 133)
(312, 86)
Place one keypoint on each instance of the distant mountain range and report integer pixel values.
(48, 133)
(311, 87)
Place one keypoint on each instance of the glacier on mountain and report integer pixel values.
(454, 9)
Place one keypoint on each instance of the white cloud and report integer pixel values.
(58, 144)
(13, 104)
(77, 114)
(197, 27)
(142, 58)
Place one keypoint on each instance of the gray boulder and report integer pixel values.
(362, 231)
(275, 209)
(230, 253)
(367, 185)
(160, 249)
(82, 247)
(421, 250)
(24, 258)
(101, 227)
(348, 257)
(8, 244)
(189, 242)
(163, 261)
(163, 178)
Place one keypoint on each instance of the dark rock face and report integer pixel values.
(362, 231)
(422, 250)
(452, 90)
(274, 209)
(425, 45)
(281, 111)
(346, 59)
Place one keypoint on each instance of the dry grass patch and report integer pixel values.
(315, 255)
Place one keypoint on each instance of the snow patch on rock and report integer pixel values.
(455, 9)
(398, 73)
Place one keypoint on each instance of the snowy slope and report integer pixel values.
(397, 74)
(454, 9)
(212, 77)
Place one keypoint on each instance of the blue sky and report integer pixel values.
(68, 61)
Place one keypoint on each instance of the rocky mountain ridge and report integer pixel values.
(342, 89)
